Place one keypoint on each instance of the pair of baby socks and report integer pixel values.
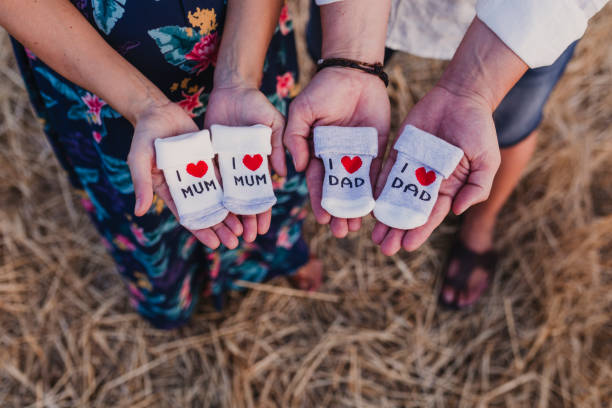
(412, 186)
(187, 163)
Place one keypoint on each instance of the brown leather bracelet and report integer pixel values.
(374, 69)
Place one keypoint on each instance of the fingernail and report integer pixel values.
(137, 205)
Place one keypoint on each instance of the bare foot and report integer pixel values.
(477, 283)
(309, 277)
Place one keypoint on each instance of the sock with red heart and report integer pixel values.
(411, 190)
(243, 162)
(186, 161)
(347, 154)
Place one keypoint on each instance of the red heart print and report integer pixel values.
(351, 165)
(425, 177)
(252, 162)
(197, 170)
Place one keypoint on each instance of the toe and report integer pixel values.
(448, 294)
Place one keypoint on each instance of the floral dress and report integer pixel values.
(174, 43)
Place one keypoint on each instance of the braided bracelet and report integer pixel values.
(374, 69)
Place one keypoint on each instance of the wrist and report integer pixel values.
(143, 97)
(346, 48)
(235, 78)
(471, 88)
(376, 69)
(149, 104)
(483, 67)
(355, 29)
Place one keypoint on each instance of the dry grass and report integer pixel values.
(542, 338)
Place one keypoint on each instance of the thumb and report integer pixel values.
(140, 162)
(278, 150)
(477, 187)
(297, 132)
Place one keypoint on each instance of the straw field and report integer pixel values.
(374, 337)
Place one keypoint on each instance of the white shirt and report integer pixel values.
(538, 31)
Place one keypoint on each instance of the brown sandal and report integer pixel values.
(468, 261)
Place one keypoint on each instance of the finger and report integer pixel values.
(474, 191)
(297, 132)
(339, 227)
(163, 192)
(392, 242)
(381, 180)
(314, 181)
(140, 162)
(277, 157)
(249, 222)
(207, 237)
(234, 224)
(354, 224)
(263, 222)
(383, 136)
(413, 239)
(379, 232)
(226, 236)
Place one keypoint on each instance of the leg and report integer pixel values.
(479, 221)
(516, 120)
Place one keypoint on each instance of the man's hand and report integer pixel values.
(158, 122)
(341, 97)
(460, 110)
(466, 122)
(241, 105)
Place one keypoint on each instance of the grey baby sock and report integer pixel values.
(347, 154)
(411, 190)
(186, 161)
(243, 162)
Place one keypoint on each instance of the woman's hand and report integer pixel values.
(342, 97)
(243, 105)
(159, 121)
(465, 121)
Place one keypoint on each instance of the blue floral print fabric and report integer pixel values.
(174, 43)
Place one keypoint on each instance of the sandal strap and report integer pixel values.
(468, 261)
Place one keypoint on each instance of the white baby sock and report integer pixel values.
(347, 153)
(243, 163)
(186, 161)
(411, 190)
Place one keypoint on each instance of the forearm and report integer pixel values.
(249, 26)
(483, 66)
(355, 29)
(59, 35)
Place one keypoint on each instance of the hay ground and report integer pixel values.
(542, 337)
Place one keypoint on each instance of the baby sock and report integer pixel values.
(186, 161)
(243, 163)
(410, 193)
(347, 153)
